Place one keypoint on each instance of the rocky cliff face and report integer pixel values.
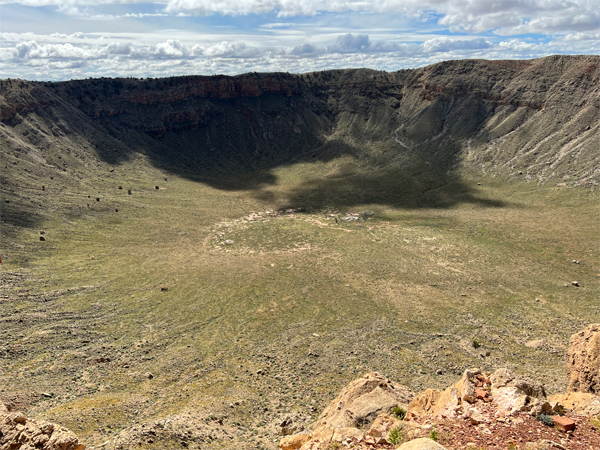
(583, 366)
(535, 119)
(19, 432)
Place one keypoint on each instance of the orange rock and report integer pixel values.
(294, 442)
(564, 423)
(481, 394)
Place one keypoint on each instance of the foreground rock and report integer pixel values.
(17, 432)
(435, 404)
(362, 401)
(583, 365)
(481, 410)
(358, 406)
(421, 444)
(513, 394)
(578, 403)
(510, 395)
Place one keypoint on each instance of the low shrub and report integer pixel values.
(399, 413)
(545, 419)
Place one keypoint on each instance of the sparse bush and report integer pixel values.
(434, 435)
(396, 436)
(545, 419)
(399, 413)
(128, 191)
(476, 343)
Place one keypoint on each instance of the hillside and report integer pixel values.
(190, 261)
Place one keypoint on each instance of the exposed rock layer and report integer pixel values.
(526, 119)
(583, 366)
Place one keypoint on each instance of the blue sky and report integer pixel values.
(61, 40)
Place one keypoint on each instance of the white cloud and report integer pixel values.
(33, 50)
(231, 50)
(444, 44)
(589, 36)
(305, 50)
(170, 49)
(386, 34)
(506, 17)
(350, 43)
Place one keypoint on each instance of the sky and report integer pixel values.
(61, 40)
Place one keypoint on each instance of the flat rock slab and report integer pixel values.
(564, 423)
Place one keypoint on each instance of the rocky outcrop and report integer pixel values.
(221, 87)
(524, 119)
(22, 97)
(583, 365)
(17, 432)
(513, 394)
(480, 408)
(433, 403)
(363, 403)
(579, 403)
(509, 394)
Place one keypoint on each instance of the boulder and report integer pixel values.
(19, 432)
(381, 427)
(563, 423)
(474, 415)
(579, 403)
(357, 405)
(362, 401)
(421, 444)
(294, 442)
(435, 404)
(583, 366)
(512, 394)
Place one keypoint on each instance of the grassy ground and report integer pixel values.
(200, 317)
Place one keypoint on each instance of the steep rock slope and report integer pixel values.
(535, 119)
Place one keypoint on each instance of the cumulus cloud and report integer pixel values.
(33, 50)
(361, 43)
(507, 17)
(232, 50)
(350, 43)
(444, 44)
(386, 35)
(170, 49)
(305, 50)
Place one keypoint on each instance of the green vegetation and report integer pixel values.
(434, 435)
(395, 436)
(270, 305)
(545, 419)
(399, 413)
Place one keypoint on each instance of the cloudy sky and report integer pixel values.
(61, 40)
